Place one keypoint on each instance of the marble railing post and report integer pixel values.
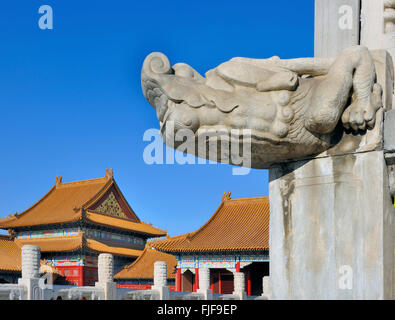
(239, 285)
(30, 262)
(105, 267)
(160, 280)
(106, 276)
(31, 273)
(266, 287)
(204, 283)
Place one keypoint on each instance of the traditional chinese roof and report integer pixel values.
(10, 255)
(97, 201)
(237, 225)
(143, 266)
(71, 243)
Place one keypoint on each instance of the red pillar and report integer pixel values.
(196, 284)
(238, 266)
(248, 283)
(219, 283)
(81, 275)
(178, 279)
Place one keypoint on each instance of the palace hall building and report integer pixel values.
(75, 222)
(234, 239)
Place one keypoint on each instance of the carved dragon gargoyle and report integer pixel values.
(292, 107)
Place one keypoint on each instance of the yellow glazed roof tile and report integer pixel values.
(143, 267)
(237, 225)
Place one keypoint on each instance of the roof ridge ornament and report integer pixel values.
(58, 180)
(109, 174)
(226, 196)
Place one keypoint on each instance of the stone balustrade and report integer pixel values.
(33, 287)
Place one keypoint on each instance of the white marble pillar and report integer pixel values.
(239, 285)
(30, 262)
(377, 26)
(332, 227)
(30, 281)
(336, 26)
(106, 276)
(204, 283)
(160, 280)
(204, 278)
(266, 287)
(160, 274)
(105, 267)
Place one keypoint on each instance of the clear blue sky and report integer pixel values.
(71, 101)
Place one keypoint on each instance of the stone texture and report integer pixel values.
(31, 262)
(377, 25)
(204, 284)
(204, 278)
(239, 285)
(266, 292)
(389, 132)
(105, 267)
(160, 274)
(160, 280)
(336, 26)
(30, 280)
(239, 282)
(329, 215)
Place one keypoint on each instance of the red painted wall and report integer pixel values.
(143, 286)
(77, 275)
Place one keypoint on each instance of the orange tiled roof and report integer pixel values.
(62, 203)
(62, 244)
(10, 255)
(54, 244)
(101, 246)
(140, 227)
(69, 202)
(143, 266)
(237, 224)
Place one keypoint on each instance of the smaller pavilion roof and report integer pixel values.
(11, 256)
(143, 266)
(237, 225)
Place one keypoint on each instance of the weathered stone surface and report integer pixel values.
(336, 26)
(160, 274)
(266, 288)
(294, 108)
(106, 276)
(204, 278)
(239, 285)
(378, 26)
(31, 262)
(389, 132)
(105, 267)
(330, 217)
